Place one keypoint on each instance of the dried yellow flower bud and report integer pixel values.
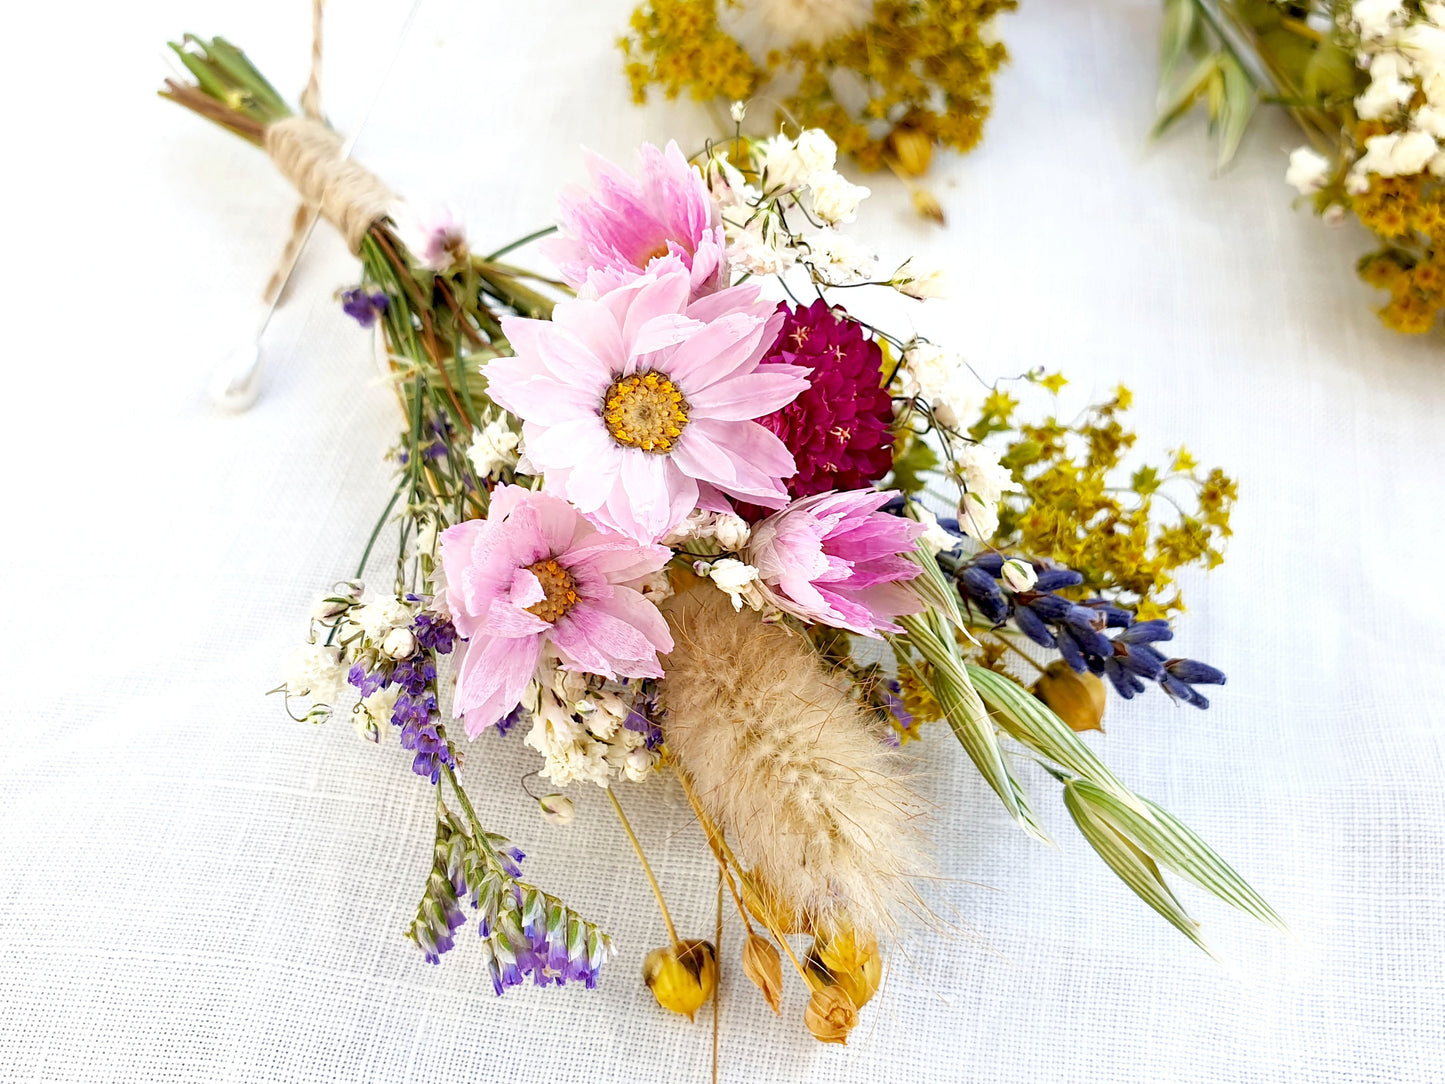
(1077, 699)
(926, 204)
(911, 149)
(683, 976)
(764, 966)
(830, 1015)
(849, 961)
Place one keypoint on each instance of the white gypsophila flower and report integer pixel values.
(1357, 181)
(739, 581)
(1383, 98)
(982, 473)
(919, 283)
(1424, 44)
(1018, 575)
(1433, 12)
(399, 643)
(1334, 214)
(1430, 118)
(835, 198)
(727, 184)
(569, 751)
(751, 251)
(381, 615)
(764, 26)
(731, 531)
(557, 808)
(816, 151)
(1308, 170)
(494, 448)
(656, 587)
(1412, 152)
(937, 538)
(738, 111)
(840, 258)
(698, 525)
(782, 167)
(941, 379)
(976, 518)
(373, 714)
(315, 671)
(1376, 18)
(639, 763)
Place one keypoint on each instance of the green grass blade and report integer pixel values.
(1131, 865)
(1181, 850)
(1031, 722)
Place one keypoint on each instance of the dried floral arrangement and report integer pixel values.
(650, 520)
(885, 79)
(1366, 84)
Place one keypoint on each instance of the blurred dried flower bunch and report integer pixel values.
(887, 80)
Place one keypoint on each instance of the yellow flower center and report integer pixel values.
(560, 589)
(645, 411)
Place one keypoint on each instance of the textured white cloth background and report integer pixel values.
(195, 888)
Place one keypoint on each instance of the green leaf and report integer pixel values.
(1033, 723)
(1178, 29)
(909, 468)
(1330, 73)
(1188, 92)
(1237, 107)
(1135, 868)
(1145, 481)
(1180, 849)
(967, 716)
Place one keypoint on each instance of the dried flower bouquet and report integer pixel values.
(1365, 81)
(656, 520)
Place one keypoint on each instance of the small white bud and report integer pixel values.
(732, 532)
(739, 110)
(399, 643)
(1019, 575)
(557, 808)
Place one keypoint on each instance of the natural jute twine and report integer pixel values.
(348, 194)
(311, 156)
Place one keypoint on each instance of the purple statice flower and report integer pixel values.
(511, 719)
(416, 711)
(646, 714)
(364, 307)
(1077, 630)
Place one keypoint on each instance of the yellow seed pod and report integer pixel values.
(850, 961)
(830, 1015)
(683, 976)
(764, 966)
(1077, 699)
(911, 149)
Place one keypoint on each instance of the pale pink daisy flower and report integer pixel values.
(835, 558)
(640, 404)
(663, 218)
(535, 573)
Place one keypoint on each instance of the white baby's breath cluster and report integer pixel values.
(942, 379)
(494, 446)
(985, 481)
(1404, 53)
(784, 205)
(579, 727)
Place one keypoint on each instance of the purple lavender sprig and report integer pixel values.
(1078, 630)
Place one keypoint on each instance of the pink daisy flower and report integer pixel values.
(834, 558)
(533, 573)
(663, 218)
(640, 404)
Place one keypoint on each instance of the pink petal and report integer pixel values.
(742, 398)
(492, 679)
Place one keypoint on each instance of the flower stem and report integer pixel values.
(647, 869)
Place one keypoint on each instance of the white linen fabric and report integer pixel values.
(195, 888)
